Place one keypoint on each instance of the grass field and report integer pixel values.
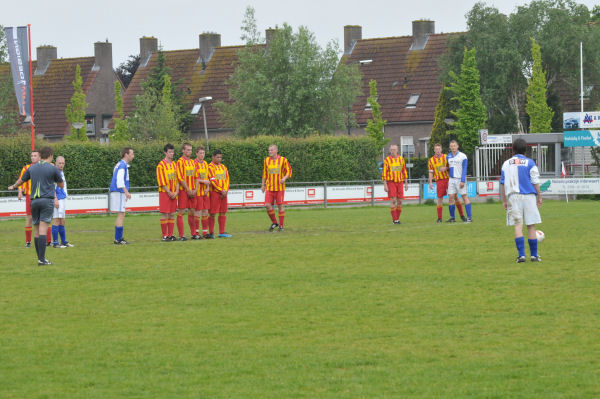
(343, 304)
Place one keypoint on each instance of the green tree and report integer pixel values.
(119, 132)
(376, 124)
(290, 87)
(470, 114)
(443, 111)
(166, 115)
(540, 114)
(76, 109)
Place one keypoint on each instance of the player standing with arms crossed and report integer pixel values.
(438, 169)
(457, 185)
(203, 197)
(119, 192)
(168, 189)
(519, 186)
(219, 187)
(276, 170)
(393, 175)
(186, 201)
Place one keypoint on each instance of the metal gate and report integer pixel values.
(489, 159)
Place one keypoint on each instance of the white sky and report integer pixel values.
(74, 25)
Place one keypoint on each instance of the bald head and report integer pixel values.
(60, 162)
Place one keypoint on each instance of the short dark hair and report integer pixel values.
(46, 152)
(199, 148)
(519, 146)
(217, 152)
(168, 147)
(36, 150)
(437, 145)
(185, 145)
(125, 151)
(453, 141)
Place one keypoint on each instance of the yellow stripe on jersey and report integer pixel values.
(434, 165)
(273, 171)
(394, 169)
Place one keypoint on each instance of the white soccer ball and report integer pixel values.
(540, 235)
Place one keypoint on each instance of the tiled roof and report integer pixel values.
(52, 92)
(399, 73)
(189, 76)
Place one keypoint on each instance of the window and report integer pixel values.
(412, 101)
(105, 121)
(90, 125)
(365, 62)
(368, 105)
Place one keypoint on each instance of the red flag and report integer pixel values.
(563, 172)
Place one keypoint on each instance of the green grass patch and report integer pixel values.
(343, 304)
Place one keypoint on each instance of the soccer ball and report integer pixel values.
(540, 235)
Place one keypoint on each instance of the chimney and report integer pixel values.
(269, 33)
(421, 31)
(103, 56)
(148, 45)
(44, 55)
(208, 43)
(352, 33)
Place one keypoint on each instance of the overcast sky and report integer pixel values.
(74, 25)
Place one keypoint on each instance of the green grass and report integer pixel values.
(342, 305)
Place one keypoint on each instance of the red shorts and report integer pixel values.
(166, 204)
(218, 204)
(441, 187)
(28, 205)
(274, 197)
(202, 202)
(395, 190)
(185, 202)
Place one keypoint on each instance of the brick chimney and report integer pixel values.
(352, 33)
(208, 43)
(269, 33)
(421, 31)
(44, 55)
(103, 56)
(148, 45)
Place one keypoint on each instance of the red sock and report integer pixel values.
(191, 223)
(49, 235)
(180, 226)
(281, 218)
(393, 212)
(398, 212)
(439, 211)
(28, 234)
(204, 225)
(211, 224)
(196, 224)
(170, 227)
(271, 214)
(164, 227)
(222, 220)
(460, 209)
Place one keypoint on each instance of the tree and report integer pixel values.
(540, 114)
(290, 87)
(471, 113)
(76, 109)
(376, 124)
(443, 111)
(127, 69)
(119, 132)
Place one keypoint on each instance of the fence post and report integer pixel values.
(325, 194)
(421, 192)
(372, 192)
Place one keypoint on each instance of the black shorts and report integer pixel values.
(41, 210)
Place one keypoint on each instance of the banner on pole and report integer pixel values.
(16, 40)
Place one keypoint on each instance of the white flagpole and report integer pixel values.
(581, 75)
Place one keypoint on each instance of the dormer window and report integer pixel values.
(365, 62)
(368, 105)
(412, 101)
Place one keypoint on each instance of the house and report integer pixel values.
(53, 87)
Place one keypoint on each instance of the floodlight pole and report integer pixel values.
(205, 129)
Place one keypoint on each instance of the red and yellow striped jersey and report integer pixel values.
(394, 169)
(186, 172)
(26, 187)
(202, 174)
(273, 171)
(166, 175)
(434, 165)
(218, 176)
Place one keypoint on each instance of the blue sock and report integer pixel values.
(118, 233)
(63, 234)
(533, 246)
(451, 209)
(54, 234)
(468, 208)
(520, 245)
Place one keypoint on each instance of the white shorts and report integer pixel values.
(522, 209)
(454, 187)
(60, 212)
(117, 201)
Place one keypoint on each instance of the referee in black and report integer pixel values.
(43, 175)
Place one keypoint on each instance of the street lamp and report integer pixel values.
(195, 111)
(77, 126)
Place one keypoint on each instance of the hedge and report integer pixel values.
(90, 164)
